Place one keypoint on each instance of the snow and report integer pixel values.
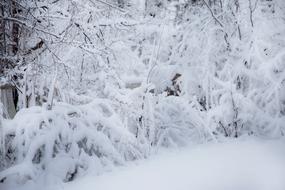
(96, 87)
(250, 164)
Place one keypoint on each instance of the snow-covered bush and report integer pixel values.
(67, 141)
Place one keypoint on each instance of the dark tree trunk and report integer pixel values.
(9, 51)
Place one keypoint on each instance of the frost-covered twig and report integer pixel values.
(28, 26)
(108, 4)
(212, 13)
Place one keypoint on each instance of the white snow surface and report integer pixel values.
(250, 164)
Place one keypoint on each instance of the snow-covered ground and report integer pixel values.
(232, 165)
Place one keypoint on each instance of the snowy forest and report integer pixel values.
(89, 86)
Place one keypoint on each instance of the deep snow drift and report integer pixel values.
(232, 165)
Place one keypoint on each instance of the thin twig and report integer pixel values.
(213, 15)
(27, 25)
(108, 4)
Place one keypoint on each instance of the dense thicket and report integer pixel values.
(103, 82)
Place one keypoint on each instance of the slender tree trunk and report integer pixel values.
(15, 29)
